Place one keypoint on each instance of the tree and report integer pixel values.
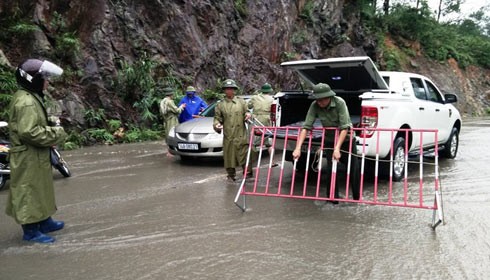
(447, 7)
(386, 6)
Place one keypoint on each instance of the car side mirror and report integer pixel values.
(450, 98)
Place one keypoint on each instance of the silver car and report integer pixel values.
(197, 138)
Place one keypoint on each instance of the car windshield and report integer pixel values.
(209, 111)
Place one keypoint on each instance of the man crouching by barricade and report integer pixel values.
(332, 112)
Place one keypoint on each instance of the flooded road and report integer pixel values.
(133, 213)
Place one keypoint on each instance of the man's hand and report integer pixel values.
(247, 116)
(336, 154)
(296, 154)
(218, 127)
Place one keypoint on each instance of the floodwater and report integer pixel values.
(133, 213)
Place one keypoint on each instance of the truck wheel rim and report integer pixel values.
(399, 161)
(454, 145)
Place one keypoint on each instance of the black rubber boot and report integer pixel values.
(231, 174)
(33, 234)
(50, 225)
(249, 171)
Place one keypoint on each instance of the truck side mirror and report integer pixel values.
(450, 98)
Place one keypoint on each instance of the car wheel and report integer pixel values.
(451, 146)
(3, 181)
(398, 159)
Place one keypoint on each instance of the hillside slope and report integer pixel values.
(202, 42)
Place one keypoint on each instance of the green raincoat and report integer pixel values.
(31, 197)
(261, 106)
(170, 113)
(231, 114)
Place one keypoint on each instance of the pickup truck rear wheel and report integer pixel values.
(451, 146)
(398, 159)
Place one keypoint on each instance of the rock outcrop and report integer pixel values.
(201, 42)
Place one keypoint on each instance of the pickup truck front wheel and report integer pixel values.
(398, 159)
(451, 146)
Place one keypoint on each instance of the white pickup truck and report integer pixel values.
(375, 99)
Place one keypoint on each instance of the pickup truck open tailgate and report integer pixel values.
(356, 73)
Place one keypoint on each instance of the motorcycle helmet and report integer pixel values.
(32, 73)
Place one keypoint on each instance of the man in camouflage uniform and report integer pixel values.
(260, 104)
(231, 113)
(170, 112)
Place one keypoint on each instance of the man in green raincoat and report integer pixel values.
(260, 104)
(170, 112)
(230, 116)
(31, 200)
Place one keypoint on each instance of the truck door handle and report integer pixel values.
(437, 110)
(421, 108)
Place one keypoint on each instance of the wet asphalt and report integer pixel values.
(133, 213)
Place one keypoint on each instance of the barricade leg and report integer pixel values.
(437, 212)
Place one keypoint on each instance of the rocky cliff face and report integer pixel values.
(200, 42)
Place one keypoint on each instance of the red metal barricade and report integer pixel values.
(415, 190)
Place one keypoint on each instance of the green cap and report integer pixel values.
(322, 90)
(190, 89)
(266, 88)
(229, 83)
(168, 91)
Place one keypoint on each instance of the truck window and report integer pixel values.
(418, 88)
(433, 93)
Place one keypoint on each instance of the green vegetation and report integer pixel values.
(23, 29)
(67, 46)
(299, 37)
(467, 41)
(287, 56)
(307, 13)
(8, 85)
(241, 7)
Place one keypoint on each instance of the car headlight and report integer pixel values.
(171, 133)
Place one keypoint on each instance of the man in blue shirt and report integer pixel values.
(194, 105)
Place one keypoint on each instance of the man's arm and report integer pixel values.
(336, 151)
(218, 119)
(299, 143)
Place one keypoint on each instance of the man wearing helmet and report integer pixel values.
(332, 112)
(194, 105)
(230, 116)
(31, 200)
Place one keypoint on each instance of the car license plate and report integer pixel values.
(188, 146)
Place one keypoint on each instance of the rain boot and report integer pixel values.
(32, 234)
(249, 171)
(231, 174)
(50, 225)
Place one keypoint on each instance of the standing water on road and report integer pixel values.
(133, 213)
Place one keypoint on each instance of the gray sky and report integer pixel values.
(468, 7)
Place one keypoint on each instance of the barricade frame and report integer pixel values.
(265, 132)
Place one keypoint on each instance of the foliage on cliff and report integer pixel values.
(118, 54)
